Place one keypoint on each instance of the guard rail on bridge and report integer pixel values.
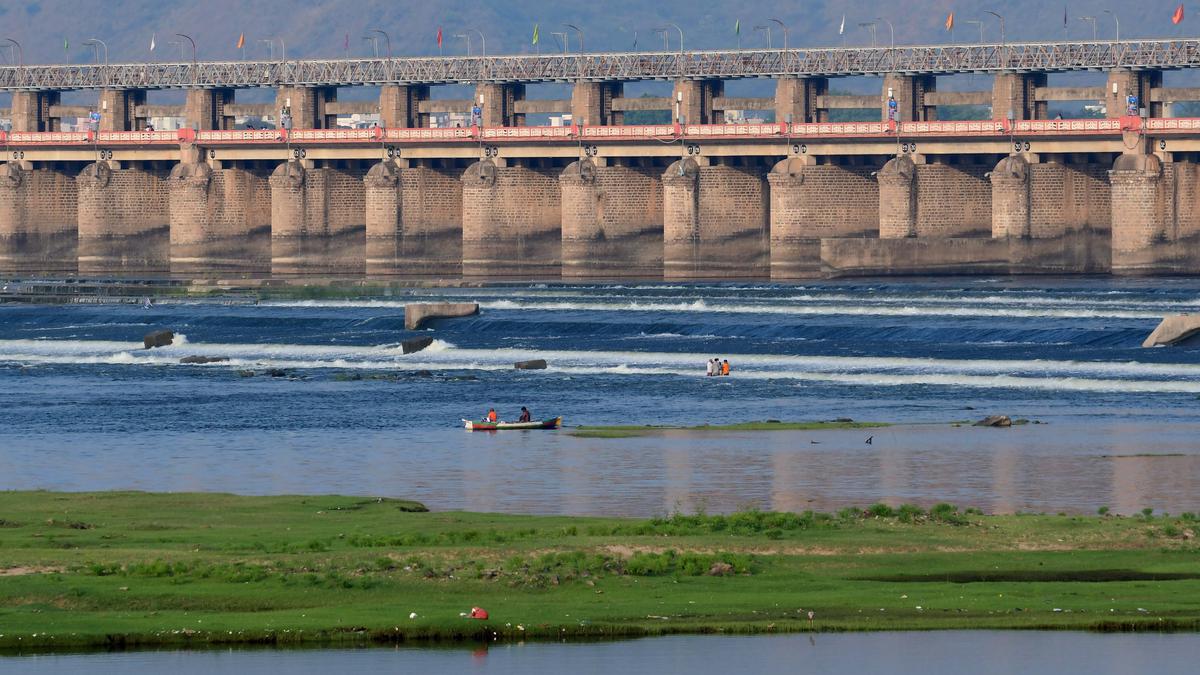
(629, 133)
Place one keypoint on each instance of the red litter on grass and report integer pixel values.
(478, 613)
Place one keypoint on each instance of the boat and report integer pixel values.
(552, 423)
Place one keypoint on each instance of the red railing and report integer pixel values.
(631, 133)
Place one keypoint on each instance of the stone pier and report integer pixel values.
(715, 222)
(123, 221)
(317, 221)
(413, 221)
(1155, 216)
(220, 221)
(612, 221)
(511, 219)
(38, 228)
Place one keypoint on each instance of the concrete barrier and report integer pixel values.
(416, 314)
(1173, 330)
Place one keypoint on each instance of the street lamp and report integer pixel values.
(561, 38)
(1091, 20)
(666, 41)
(869, 25)
(767, 30)
(189, 39)
(980, 24)
(785, 32)
(1114, 16)
(891, 30)
(577, 30)
(467, 37)
(20, 52)
(671, 25)
(269, 43)
(96, 44)
(988, 11)
(374, 44)
(483, 40)
(386, 38)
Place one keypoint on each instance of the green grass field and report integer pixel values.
(122, 568)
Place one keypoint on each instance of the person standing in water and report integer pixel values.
(708, 369)
(725, 367)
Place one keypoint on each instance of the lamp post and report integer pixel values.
(577, 30)
(785, 32)
(189, 39)
(482, 39)
(467, 37)
(386, 38)
(96, 44)
(1002, 38)
(20, 52)
(869, 25)
(666, 41)
(671, 25)
(562, 40)
(374, 44)
(269, 43)
(1091, 20)
(767, 30)
(891, 31)
(1118, 21)
(980, 24)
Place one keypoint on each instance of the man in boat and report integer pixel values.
(490, 416)
(525, 416)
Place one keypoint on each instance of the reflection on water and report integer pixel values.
(1070, 466)
(977, 652)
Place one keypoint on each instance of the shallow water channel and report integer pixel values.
(918, 653)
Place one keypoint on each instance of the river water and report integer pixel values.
(85, 407)
(900, 653)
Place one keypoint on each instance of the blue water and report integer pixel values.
(85, 407)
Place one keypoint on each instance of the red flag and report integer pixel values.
(950, 21)
(1178, 15)
(439, 36)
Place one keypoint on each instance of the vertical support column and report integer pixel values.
(512, 221)
(682, 257)
(715, 222)
(37, 221)
(898, 199)
(591, 102)
(1125, 83)
(796, 98)
(317, 221)
(1010, 198)
(385, 224)
(31, 110)
(1014, 96)
(204, 109)
(123, 221)
(400, 105)
(118, 108)
(1137, 212)
(909, 92)
(612, 221)
(693, 100)
(498, 102)
(220, 221)
(308, 106)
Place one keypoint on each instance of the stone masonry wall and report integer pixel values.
(953, 201)
(38, 230)
(1068, 198)
(511, 221)
(317, 221)
(123, 221)
(612, 221)
(414, 221)
(220, 221)
(716, 225)
(809, 203)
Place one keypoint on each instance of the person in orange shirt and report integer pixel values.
(491, 415)
(725, 367)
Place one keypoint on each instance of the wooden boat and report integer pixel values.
(552, 423)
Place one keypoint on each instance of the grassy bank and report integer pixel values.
(632, 430)
(137, 568)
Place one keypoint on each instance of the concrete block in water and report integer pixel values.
(1173, 330)
(159, 338)
(418, 313)
(415, 345)
(535, 364)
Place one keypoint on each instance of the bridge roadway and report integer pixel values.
(1014, 57)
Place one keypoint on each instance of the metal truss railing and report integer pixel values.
(615, 66)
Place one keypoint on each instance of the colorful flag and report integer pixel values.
(535, 33)
(950, 21)
(439, 37)
(152, 36)
(1178, 15)
(66, 45)
(241, 41)
(737, 27)
(842, 30)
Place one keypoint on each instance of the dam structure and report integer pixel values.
(692, 199)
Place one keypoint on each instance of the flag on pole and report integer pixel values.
(66, 45)
(842, 30)
(1064, 17)
(737, 27)
(535, 34)
(346, 42)
(241, 41)
(152, 36)
(950, 21)
(1178, 15)
(439, 37)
